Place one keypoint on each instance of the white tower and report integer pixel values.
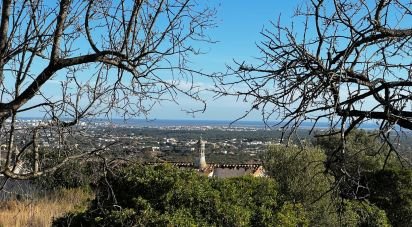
(202, 159)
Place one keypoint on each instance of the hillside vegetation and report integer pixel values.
(40, 212)
(299, 191)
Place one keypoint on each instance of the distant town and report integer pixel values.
(164, 141)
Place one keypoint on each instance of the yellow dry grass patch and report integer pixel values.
(40, 212)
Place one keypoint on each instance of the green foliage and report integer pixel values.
(255, 199)
(299, 172)
(73, 174)
(301, 176)
(298, 193)
(162, 196)
(292, 215)
(364, 151)
(391, 190)
(362, 213)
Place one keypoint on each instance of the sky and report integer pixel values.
(238, 31)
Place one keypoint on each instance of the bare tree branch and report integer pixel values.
(342, 62)
(72, 60)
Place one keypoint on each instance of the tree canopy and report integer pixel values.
(164, 195)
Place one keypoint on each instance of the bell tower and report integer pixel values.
(202, 159)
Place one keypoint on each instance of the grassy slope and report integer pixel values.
(40, 212)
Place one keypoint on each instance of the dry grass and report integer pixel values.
(42, 211)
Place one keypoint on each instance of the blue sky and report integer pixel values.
(237, 32)
(238, 26)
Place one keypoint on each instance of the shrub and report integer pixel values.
(163, 195)
(391, 190)
(73, 174)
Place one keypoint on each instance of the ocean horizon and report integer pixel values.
(202, 122)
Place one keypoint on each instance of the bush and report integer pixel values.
(302, 177)
(391, 190)
(73, 174)
(163, 195)
(362, 213)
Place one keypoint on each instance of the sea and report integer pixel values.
(204, 123)
(219, 123)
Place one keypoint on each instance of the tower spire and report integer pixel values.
(202, 159)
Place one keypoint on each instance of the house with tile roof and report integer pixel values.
(221, 170)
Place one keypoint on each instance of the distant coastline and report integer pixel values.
(212, 123)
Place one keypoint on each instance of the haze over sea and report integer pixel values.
(216, 123)
(213, 123)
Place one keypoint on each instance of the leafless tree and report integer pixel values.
(341, 61)
(74, 59)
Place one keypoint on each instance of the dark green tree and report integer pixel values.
(302, 178)
(391, 190)
(73, 174)
(365, 153)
